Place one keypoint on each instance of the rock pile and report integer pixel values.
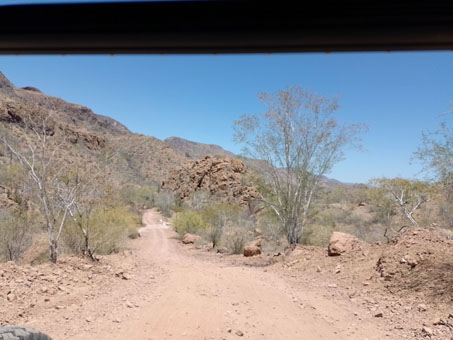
(221, 176)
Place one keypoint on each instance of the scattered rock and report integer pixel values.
(124, 275)
(239, 333)
(427, 331)
(379, 315)
(11, 297)
(421, 307)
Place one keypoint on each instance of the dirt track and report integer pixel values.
(174, 295)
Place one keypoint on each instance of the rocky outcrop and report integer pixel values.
(221, 176)
(91, 141)
(31, 88)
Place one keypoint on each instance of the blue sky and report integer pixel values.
(398, 95)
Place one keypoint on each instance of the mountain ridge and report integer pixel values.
(137, 157)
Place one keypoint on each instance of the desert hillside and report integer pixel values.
(109, 234)
(132, 158)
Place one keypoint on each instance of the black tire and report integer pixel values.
(21, 333)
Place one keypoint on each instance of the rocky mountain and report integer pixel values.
(89, 137)
(194, 150)
(130, 158)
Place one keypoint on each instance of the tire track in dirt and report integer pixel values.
(194, 298)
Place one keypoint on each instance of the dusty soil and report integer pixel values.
(160, 289)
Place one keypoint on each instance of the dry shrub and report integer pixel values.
(198, 200)
(139, 196)
(234, 239)
(218, 216)
(166, 202)
(15, 234)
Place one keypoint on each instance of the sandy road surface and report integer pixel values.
(175, 295)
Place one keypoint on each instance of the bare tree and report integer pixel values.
(300, 140)
(91, 193)
(409, 195)
(39, 159)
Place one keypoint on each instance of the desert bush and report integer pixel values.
(217, 217)
(108, 228)
(189, 222)
(15, 234)
(446, 214)
(234, 239)
(165, 200)
(14, 178)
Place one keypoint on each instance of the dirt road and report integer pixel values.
(174, 295)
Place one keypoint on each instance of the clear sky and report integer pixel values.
(398, 95)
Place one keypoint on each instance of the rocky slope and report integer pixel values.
(194, 150)
(90, 138)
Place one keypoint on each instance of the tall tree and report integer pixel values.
(300, 140)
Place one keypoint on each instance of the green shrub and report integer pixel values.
(107, 229)
(189, 222)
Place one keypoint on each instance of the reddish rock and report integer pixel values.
(251, 251)
(221, 176)
(341, 243)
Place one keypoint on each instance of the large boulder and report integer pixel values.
(341, 243)
(190, 238)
